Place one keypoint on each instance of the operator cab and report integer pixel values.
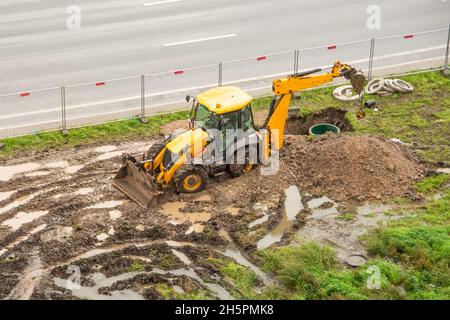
(224, 109)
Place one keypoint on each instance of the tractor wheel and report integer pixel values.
(191, 179)
(237, 170)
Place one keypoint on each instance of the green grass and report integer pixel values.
(105, 133)
(412, 254)
(433, 183)
(167, 292)
(136, 266)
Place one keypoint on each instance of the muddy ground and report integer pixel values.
(61, 220)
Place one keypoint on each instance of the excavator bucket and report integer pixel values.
(358, 81)
(135, 183)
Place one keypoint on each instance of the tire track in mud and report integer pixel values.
(68, 230)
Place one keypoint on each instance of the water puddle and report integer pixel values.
(21, 201)
(91, 293)
(6, 173)
(29, 279)
(218, 290)
(172, 210)
(233, 211)
(197, 228)
(105, 149)
(73, 169)
(293, 203)
(182, 257)
(108, 155)
(102, 237)
(16, 203)
(57, 164)
(37, 174)
(292, 207)
(5, 195)
(240, 259)
(106, 205)
(114, 214)
(23, 238)
(224, 234)
(22, 218)
(321, 213)
(258, 221)
(84, 191)
(316, 203)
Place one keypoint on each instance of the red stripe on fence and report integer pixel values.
(332, 47)
(25, 94)
(408, 36)
(178, 72)
(261, 58)
(99, 84)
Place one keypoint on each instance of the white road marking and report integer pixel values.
(148, 4)
(231, 35)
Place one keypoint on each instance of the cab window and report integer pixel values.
(205, 119)
(247, 118)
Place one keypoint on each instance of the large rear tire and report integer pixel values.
(191, 179)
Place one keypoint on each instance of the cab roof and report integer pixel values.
(222, 100)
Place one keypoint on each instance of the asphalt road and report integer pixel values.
(123, 38)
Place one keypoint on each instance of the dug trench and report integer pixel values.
(61, 220)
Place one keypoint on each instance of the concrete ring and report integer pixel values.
(406, 86)
(394, 86)
(384, 93)
(388, 86)
(374, 85)
(341, 93)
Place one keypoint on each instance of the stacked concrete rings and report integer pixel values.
(387, 86)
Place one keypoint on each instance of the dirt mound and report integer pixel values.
(353, 167)
(344, 167)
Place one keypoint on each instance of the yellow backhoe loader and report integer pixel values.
(221, 139)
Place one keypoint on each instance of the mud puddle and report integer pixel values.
(292, 207)
(100, 281)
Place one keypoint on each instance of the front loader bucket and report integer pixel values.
(135, 183)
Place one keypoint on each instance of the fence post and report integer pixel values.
(371, 53)
(63, 111)
(445, 69)
(220, 74)
(296, 62)
(142, 118)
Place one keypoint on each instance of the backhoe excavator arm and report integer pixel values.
(284, 90)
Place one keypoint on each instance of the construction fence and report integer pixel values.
(146, 95)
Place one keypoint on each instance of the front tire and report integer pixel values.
(191, 179)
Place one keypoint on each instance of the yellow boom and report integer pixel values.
(284, 90)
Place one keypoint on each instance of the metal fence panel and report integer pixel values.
(93, 103)
(98, 102)
(166, 92)
(409, 53)
(30, 112)
(255, 75)
(354, 53)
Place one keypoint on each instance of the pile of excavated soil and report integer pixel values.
(346, 168)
